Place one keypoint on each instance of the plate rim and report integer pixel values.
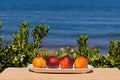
(60, 70)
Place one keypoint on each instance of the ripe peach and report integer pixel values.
(80, 62)
(66, 62)
(39, 62)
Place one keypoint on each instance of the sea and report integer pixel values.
(66, 22)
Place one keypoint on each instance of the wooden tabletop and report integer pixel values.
(25, 74)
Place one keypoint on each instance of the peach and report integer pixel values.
(66, 62)
(39, 62)
(81, 62)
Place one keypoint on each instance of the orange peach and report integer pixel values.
(39, 62)
(81, 62)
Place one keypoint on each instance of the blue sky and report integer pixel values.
(60, 2)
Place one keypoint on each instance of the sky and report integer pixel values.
(115, 3)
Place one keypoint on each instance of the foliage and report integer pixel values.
(67, 51)
(46, 53)
(114, 54)
(0, 36)
(0, 47)
(20, 51)
(39, 32)
(82, 45)
(91, 54)
(112, 59)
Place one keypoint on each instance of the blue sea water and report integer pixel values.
(67, 23)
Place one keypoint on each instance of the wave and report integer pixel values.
(73, 35)
(110, 35)
(117, 22)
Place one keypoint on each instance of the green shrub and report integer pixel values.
(114, 54)
(82, 45)
(39, 32)
(0, 36)
(0, 47)
(20, 51)
(91, 54)
(112, 59)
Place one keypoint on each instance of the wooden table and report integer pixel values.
(25, 74)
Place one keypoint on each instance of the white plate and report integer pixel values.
(59, 70)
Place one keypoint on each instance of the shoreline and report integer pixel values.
(103, 49)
